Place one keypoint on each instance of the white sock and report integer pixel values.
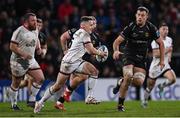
(58, 102)
(91, 85)
(48, 93)
(34, 91)
(146, 94)
(13, 93)
(166, 83)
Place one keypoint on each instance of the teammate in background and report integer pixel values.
(138, 36)
(72, 62)
(24, 43)
(76, 79)
(28, 80)
(155, 71)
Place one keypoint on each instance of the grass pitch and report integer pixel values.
(105, 109)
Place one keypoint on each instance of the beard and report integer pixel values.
(32, 28)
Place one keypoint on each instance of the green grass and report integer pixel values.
(105, 109)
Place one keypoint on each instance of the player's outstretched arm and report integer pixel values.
(116, 44)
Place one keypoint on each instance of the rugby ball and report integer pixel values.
(104, 49)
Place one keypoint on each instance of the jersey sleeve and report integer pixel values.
(16, 36)
(154, 45)
(126, 31)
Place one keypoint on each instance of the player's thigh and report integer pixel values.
(35, 72)
(89, 69)
(18, 70)
(128, 71)
(37, 75)
(170, 75)
(139, 75)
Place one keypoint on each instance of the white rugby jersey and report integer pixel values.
(167, 44)
(26, 40)
(77, 49)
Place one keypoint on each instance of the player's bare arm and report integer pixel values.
(94, 51)
(14, 48)
(116, 44)
(156, 52)
(162, 51)
(63, 39)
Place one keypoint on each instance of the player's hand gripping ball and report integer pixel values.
(100, 58)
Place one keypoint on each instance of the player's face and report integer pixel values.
(141, 17)
(32, 22)
(93, 24)
(164, 30)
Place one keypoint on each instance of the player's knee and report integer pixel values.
(40, 81)
(140, 76)
(128, 75)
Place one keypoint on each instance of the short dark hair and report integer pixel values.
(163, 23)
(86, 18)
(27, 15)
(142, 8)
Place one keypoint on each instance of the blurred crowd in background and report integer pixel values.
(60, 15)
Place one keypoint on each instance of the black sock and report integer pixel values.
(121, 101)
(70, 88)
(61, 99)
